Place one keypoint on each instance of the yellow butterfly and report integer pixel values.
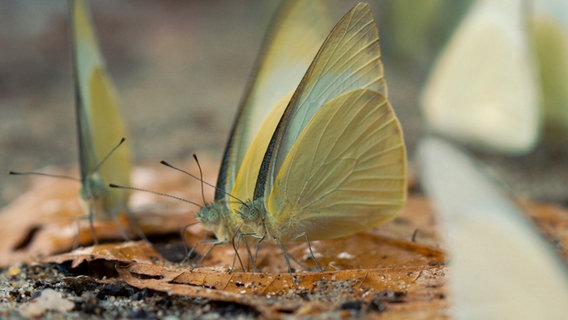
(289, 47)
(99, 124)
(336, 163)
(483, 89)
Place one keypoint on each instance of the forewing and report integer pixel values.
(345, 173)
(248, 173)
(549, 35)
(349, 59)
(292, 42)
(98, 116)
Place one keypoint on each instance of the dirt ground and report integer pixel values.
(180, 69)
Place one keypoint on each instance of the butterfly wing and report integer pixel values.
(289, 47)
(483, 89)
(345, 173)
(500, 266)
(549, 31)
(417, 29)
(98, 118)
(349, 59)
(248, 174)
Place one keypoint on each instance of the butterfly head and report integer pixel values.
(96, 196)
(216, 218)
(253, 212)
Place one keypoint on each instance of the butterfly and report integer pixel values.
(292, 41)
(418, 28)
(549, 34)
(336, 162)
(99, 124)
(500, 266)
(483, 89)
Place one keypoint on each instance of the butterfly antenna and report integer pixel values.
(31, 173)
(107, 156)
(200, 177)
(154, 192)
(202, 181)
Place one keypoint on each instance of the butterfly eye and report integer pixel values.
(249, 213)
(209, 214)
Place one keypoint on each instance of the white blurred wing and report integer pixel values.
(289, 47)
(345, 173)
(500, 268)
(483, 88)
(349, 59)
(99, 123)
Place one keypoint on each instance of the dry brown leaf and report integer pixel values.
(45, 220)
(124, 252)
(552, 221)
(418, 290)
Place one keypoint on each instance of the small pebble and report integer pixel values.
(14, 271)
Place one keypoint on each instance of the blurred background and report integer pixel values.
(181, 67)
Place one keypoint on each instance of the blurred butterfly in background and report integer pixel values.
(99, 125)
(483, 89)
(290, 45)
(500, 266)
(418, 29)
(101, 156)
(336, 161)
(549, 34)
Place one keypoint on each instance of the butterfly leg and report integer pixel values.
(213, 243)
(252, 260)
(318, 265)
(257, 249)
(236, 242)
(92, 225)
(134, 223)
(185, 246)
(119, 227)
(286, 257)
(76, 240)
